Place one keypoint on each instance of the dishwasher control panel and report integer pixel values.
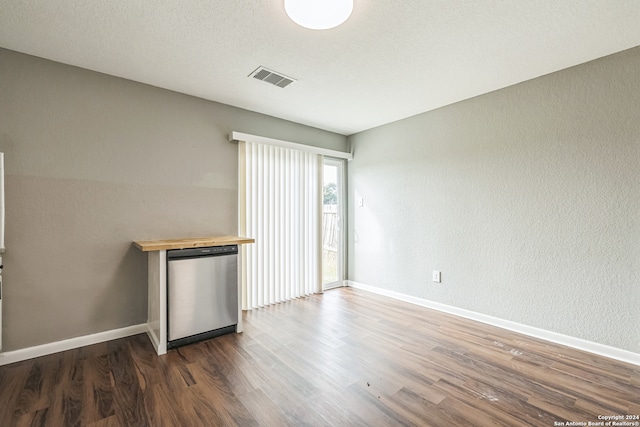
(208, 251)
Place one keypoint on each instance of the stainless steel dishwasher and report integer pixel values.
(202, 293)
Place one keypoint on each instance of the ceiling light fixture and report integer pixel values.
(318, 14)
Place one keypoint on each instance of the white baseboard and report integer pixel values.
(577, 343)
(158, 345)
(155, 341)
(71, 343)
(335, 285)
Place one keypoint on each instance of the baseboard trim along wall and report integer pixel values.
(335, 285)
(155, 340)
(69, 344)
(577, 343)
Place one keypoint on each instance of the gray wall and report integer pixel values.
(527, 199)
(94, 162)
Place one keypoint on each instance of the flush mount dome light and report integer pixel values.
(318, 14)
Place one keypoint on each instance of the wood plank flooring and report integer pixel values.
(344, 358)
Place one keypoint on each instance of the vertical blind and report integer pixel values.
(280, 207)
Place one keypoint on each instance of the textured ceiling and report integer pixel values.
(390, 60)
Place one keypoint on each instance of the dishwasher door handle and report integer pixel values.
(196, 252)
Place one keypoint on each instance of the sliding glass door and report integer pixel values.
(332, 223)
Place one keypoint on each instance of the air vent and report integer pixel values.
(272, 77)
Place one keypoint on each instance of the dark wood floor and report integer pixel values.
(345, 358)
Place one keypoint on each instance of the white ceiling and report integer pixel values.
(390, 60)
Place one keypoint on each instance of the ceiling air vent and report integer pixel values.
(272, 77)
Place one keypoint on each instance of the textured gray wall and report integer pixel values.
(94, 162)
(527, 199)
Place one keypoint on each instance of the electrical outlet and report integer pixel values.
(437, 276)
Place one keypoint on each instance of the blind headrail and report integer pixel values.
(239, 136)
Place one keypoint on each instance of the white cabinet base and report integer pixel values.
(157, 300)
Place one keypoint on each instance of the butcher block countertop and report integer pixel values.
(193, 242)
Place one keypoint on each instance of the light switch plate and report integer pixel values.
(437, 276)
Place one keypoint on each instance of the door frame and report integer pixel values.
(342, 206)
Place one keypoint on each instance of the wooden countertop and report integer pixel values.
(193, 242)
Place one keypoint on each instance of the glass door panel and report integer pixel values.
(332, 232)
